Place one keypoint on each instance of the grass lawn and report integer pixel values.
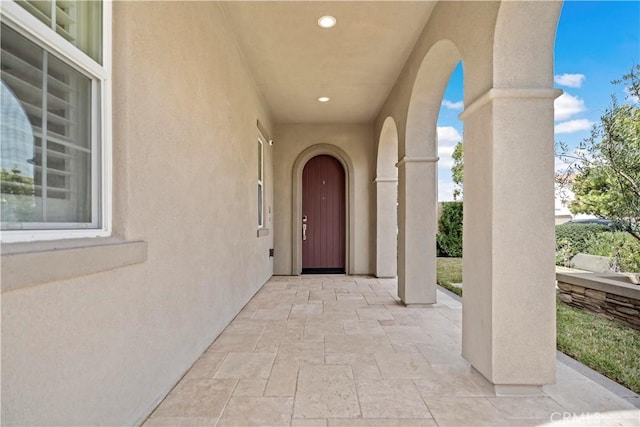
(449, 271)
(603, 345)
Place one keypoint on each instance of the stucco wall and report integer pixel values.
(507, 53)
(357, 142)
(101, 349)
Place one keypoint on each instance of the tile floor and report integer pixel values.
(342, 351)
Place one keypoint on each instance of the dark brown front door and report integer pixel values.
(323, 216)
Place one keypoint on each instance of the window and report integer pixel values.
(260, 183)
(54, 123)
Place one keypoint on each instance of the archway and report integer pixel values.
(296, 209)
(418, 177)
(508, 312)
(386, 183)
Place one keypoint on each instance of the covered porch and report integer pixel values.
(344, 351)
(211, 112)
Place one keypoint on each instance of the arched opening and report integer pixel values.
(426, 98)
(297, 206)
(449, 130)
(450, 192)
(418, 177)
(386, 183)
(508, 168)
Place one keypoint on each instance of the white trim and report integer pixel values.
(44, 128)
(106, 116)
(263, 132)
(385, 180)
(29, 26)
(261, 182)
(96, 138)
(10, 236)
(54, 15)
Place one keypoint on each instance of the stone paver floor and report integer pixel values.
(342, 351)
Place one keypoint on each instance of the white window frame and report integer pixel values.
(35, 30)
(261, 183)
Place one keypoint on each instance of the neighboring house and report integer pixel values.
(181, 157)
(563, 198)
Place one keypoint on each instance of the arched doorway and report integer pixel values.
(296, 231)
(323, 216)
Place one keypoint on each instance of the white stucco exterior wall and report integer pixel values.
(102, 349)
(357, 143)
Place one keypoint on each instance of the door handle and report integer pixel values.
(304, 231)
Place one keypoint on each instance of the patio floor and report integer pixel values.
(342, 351)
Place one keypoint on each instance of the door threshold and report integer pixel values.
(323, 271)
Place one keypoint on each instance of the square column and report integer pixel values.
(508, 313)
(386, 227)
(417, 227)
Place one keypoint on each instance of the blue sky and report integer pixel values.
(596, 42)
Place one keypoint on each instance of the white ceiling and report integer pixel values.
(356, 63)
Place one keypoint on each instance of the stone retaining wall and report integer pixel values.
(604, 296)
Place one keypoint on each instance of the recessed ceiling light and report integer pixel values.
(327, 22)
(324, 99)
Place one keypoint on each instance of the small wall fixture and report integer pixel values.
(327, 22)
(324, 99)
(271, 142)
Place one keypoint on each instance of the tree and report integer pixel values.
(607, 164)
(457, 170)
(16, 183)
(17, 196)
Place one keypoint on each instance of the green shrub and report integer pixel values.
(572, 239)
(623, 248)
(449, 238)
(564, 252)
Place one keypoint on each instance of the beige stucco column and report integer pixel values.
(417, 216)
(509, 296)
(386, 227)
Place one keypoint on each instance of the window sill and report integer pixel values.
(34, 263)
(263, 232)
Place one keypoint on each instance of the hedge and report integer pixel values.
(575, 238)
(449, 238)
